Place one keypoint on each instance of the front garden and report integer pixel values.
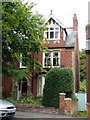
(27, 99)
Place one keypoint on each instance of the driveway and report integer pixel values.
(37, 115)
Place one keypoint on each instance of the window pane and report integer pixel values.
(40, 86)
(47, 59)
(57, 28)
(47, 35)
(56, 58)
(56, 34)
(51, 28)
(51, 35)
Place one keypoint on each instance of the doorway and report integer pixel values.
(24, 86)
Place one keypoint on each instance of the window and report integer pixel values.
(41, 85)
(23, 61)
(51, 59)
(47, 59)
(52, 33)
(56, 58)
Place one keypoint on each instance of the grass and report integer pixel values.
(80, 114)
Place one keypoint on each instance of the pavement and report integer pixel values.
(38, 115)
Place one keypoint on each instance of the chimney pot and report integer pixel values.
(75, 15)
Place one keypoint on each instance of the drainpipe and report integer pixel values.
(32, 74)
(88, 61)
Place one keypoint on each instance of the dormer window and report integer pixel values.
(53, 33)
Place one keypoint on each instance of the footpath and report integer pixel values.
(37, 115)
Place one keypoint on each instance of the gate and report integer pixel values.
(82, 99)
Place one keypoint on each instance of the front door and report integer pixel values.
(24, 86)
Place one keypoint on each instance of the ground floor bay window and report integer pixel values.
(41, 83)
(51, 59)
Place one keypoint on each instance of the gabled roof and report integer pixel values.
(56, 20)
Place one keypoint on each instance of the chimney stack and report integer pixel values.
(75, 23)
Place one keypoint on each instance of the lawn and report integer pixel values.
(80, 114)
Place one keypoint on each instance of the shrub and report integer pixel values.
(57, 81)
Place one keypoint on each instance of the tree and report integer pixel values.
(82, 65)
(21, 33)
(57, 81)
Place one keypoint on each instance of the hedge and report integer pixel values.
(57, 81)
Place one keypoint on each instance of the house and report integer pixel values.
(63, 51)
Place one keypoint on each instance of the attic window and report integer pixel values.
(52, 33)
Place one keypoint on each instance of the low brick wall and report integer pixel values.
(66, 105)
(36, 108)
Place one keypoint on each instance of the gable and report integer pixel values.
(55, 21)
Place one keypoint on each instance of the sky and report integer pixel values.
(64, 11)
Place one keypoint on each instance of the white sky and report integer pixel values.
(64, 11)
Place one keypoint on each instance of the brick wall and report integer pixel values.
(7, 86)
(66, 105)
(36, 108)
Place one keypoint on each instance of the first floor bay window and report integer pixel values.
(51, 59)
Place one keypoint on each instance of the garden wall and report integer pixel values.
(66, 105)
(36, 108)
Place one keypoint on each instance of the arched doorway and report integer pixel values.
(24, 86)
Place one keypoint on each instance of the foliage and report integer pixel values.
(21, 33)
(83, 86)
(82, 65)
(57, 81)
(27, 99)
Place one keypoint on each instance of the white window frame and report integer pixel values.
(58, 58)
(44, 61)
(51, 60)
(52, 26)
(21, 66)
(41, 85)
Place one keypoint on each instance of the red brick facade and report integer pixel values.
(69, 54)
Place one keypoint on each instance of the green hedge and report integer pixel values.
(57, 81)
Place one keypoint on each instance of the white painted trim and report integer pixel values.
(56, 20)
(67, 99)
(21, 66)
(51, 60)
(52, 26)
(62, 93)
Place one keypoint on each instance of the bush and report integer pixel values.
(83, 85)
(57, 81)
(27, 99)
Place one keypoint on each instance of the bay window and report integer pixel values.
(53, 33)
(52, 58)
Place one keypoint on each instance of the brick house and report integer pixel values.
(63, 51)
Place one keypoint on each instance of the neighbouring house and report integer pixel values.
(63, 51)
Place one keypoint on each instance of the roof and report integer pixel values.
(71, 38)
(56, 20)
(70, 34)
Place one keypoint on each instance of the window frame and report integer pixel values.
(51, 59)
(54, 30)
(21, 65)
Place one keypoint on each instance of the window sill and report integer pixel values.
(51, 66)
(23, 67)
